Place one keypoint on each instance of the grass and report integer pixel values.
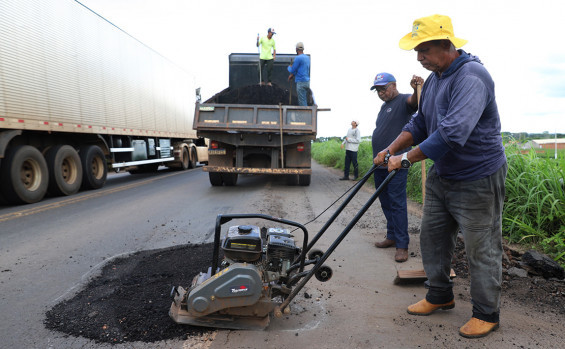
(534, 210)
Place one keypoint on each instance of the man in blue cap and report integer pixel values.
(396, 111)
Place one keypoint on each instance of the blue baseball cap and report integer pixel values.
(271, 30)
(382, 79)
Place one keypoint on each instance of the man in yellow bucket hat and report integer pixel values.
(458, 127)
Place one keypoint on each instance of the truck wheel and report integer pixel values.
(230, 179)
(291, 179)
(193, 159)
(215, 179)
(23, 175)
(65, 170)
(304, 180)
(94, 170)
(185, 160)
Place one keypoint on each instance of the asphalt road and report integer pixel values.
(50, 249)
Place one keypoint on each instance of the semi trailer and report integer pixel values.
(80, 97)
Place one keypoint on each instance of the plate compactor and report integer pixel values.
(261, 271)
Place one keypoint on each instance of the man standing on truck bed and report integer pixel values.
(268, 54)
(300, 71)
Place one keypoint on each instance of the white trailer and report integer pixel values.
(79, 96)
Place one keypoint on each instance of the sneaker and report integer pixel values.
(476, 328)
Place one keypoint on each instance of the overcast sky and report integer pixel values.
(520, 42)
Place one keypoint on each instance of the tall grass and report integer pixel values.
(330, 154)
(534, 210)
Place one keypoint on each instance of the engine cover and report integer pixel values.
(243, 243)
(235, 286)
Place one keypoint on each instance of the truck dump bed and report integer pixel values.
(256, 118)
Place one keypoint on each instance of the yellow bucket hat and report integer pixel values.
(436, 27)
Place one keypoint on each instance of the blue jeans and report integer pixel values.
(393, 204)
(475, 208)
(351, 157)
(302, 88)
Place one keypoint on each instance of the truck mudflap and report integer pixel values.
(251, 170)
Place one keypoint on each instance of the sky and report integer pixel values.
(520, 43)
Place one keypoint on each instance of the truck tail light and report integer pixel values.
(213, 145)
(300, 147)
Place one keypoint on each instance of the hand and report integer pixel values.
(416, 80)
(380, 158)
(290, 77)
(341, 145)
(394, 162)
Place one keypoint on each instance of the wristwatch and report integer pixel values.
(405, 163)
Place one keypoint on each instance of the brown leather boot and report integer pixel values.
(476, 328)
(386, 243)
(424, 307)
(401, 255)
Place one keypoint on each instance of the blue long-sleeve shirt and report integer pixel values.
(458, 125)
(300, 68)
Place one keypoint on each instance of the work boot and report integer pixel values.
(476, 328)
(424, 307)
(344, 178)
(386, 243)
(401, 255)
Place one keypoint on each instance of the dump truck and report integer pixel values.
(271, 136)
(80, 97)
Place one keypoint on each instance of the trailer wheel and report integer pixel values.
(230, 179)
(65, 170)
(24, 175)
(304, 180)
(215, 179)
(94, 170)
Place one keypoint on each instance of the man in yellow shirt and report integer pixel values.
(268, 54)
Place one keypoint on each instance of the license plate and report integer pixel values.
(216, 152)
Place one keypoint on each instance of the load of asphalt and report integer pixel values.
(253, 94)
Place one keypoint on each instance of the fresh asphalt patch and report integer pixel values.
(129, 301)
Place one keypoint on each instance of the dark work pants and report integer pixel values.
(393, 204)
(475, 208)
(351, 157)
(269, 64)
